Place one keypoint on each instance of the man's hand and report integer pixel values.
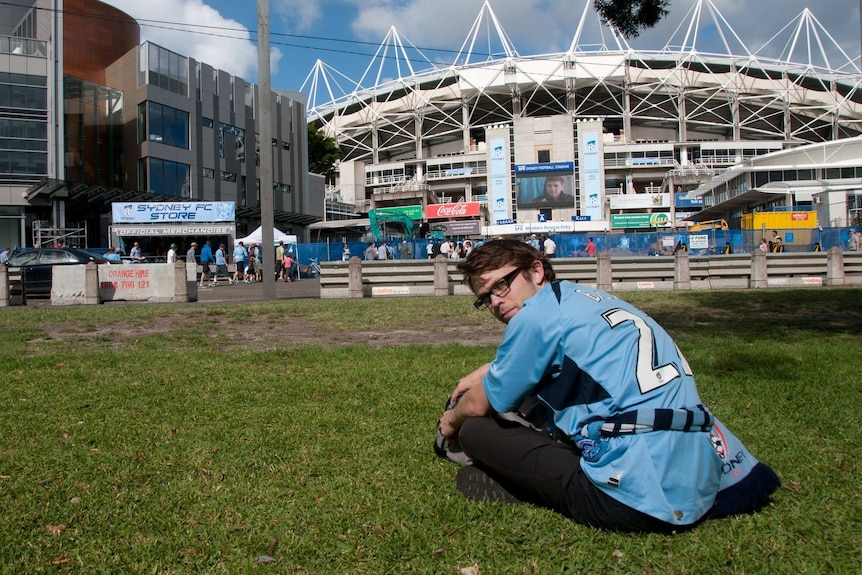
(472, 403)
(447, 424)
(470, 381)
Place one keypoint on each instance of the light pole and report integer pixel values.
(267, 218)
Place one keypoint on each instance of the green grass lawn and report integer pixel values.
(206, 438)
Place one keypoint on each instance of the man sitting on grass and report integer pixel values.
(588, 408)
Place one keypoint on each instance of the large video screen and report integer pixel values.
(548, 190)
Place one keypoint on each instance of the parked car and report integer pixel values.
(36, 265)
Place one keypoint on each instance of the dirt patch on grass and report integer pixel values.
(225, 332)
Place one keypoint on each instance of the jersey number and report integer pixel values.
(649, 377)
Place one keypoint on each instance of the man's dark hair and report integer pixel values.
(495, 254)
(560, 179)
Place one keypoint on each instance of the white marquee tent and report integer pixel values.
(256, 237)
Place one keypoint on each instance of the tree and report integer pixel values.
(323, 152)
(630, 17)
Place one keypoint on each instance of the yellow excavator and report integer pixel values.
(719, 224)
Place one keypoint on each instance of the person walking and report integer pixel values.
(279, 261)
(404, 251)
(550, 247)
(206, 260)
(591, 248)
(221, 265)
(240, 256)
(853, 241)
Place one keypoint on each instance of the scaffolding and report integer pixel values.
(46, 235)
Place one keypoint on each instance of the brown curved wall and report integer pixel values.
(94, 36)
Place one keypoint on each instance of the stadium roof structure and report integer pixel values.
(810, 92)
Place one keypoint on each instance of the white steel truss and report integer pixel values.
(735, 94)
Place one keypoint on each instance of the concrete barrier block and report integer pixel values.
(681, 271)
(69, 286)
(441, 276)
(4, 286)
(138, 282)
(354, 282)
(192, 282)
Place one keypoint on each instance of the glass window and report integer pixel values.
(168, 126)
(55, 256)
(156, 131)
(142, 121)
(167, 70)
(169, 178)
(238, 143)
(207, 122)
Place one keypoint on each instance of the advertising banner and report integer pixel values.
(458, 210)
(592, 178)
(635, 201)
(522, 169)
(499, 180)
(533, 228)
(681, 200)
(462, 228)
(640, 220)
(412, 212)
(175, 230)
(173, 212)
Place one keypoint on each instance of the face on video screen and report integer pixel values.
(546, 191)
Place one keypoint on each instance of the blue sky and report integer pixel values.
(346, 33)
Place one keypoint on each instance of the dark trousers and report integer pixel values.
(542, 471)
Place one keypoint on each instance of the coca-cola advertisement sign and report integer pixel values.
(458, 210)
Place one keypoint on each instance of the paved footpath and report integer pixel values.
(306, 288)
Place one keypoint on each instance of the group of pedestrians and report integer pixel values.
(247, 261)
(385, 251)
(449, 248)
(545, 246)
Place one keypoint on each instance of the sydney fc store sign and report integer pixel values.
(172, 212)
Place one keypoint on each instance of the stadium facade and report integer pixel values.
(635, 135)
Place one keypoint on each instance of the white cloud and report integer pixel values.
(540, 26)
(299, 15)
(214, 39)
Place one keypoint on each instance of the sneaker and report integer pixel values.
(450, 448)
(474, 483)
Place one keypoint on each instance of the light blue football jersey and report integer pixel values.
(592, 356)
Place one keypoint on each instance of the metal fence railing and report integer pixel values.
(652, 243)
